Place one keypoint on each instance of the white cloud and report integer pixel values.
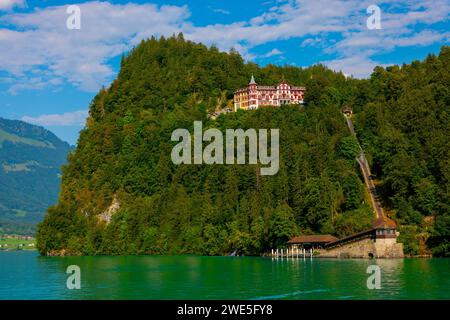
(223, 11)
(42, 44)
(357, 66)
(346, 19)
(40, 48)
(9, 4)
(271, 53)
(65, 119)
(33, 83)
(312, 42)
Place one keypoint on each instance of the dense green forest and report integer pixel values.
(123, 157)
(403, 124)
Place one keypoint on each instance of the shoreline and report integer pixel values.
(406, 257)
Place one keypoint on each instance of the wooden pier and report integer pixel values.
(291, 254)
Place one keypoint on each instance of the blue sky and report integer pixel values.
(49, 74)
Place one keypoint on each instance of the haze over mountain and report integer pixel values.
(30, 162)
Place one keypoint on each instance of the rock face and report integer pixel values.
(106, 215)
(366, 248)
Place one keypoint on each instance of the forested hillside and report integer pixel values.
(404, 125)
(30, 161)
(121, 168)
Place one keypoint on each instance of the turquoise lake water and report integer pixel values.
(26, 275)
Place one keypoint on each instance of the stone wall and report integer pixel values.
(389, 248)
(366, 248)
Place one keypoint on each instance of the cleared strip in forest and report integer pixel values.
(365, 169)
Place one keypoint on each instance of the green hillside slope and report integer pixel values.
(121, 194)
(30, 161)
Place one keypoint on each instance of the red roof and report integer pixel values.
(384, 222)
(323, 238)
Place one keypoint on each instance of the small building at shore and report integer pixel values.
(380, 241)
(307, 242)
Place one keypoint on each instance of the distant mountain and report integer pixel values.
(30, 164)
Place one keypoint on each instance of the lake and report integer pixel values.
(26, 275)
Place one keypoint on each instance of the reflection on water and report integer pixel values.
(25, 275)
(392, 280)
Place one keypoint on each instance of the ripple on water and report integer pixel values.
(290, 294)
